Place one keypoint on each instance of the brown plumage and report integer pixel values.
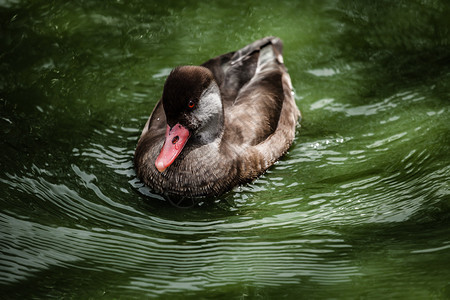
(225, 122)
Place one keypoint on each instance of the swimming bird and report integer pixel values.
(220, 124)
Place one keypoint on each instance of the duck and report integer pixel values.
(220, 124)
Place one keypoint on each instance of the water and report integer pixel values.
(358, 208)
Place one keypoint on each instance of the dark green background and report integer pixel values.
(359, 208)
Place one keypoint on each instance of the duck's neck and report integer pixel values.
(211, 110)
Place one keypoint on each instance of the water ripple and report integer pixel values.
(234, 259)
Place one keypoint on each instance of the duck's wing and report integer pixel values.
(260, 125)
(256, 112)
(235, 69)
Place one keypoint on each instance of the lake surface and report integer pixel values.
(359, 208)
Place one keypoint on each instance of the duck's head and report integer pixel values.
(193, 108)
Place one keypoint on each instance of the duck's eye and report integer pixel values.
(191, 104)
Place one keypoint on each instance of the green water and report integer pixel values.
(358, 209)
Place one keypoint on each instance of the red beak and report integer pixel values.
(176, 138)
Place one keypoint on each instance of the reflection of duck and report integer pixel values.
(219, 124)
